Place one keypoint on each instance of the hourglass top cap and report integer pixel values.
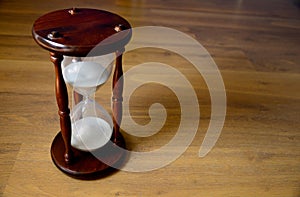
(76, 31)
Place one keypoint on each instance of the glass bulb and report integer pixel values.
(92, 126)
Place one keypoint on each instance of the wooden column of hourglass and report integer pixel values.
(75, 32)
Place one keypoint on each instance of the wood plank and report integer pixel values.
(256, 47)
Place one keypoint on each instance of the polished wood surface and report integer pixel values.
(61, 94)
(256, 47)
(76, 31)
(117, 93)
(90, 165)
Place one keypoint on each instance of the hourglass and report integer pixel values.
(91, 125)
(84, 46)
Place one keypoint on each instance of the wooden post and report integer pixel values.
(77, 97)
(117, 98)
(63, 105)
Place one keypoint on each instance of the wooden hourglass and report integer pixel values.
(71, 36)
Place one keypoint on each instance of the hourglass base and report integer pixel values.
(89, 165)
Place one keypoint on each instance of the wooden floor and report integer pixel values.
(256, 45)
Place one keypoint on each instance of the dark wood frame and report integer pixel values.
(57, 33)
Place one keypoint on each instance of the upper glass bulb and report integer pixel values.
(88, 73)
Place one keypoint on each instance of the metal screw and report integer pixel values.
(73, 11)
(119, 27)
(54, 34)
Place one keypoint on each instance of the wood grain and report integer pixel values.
(256, 46)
